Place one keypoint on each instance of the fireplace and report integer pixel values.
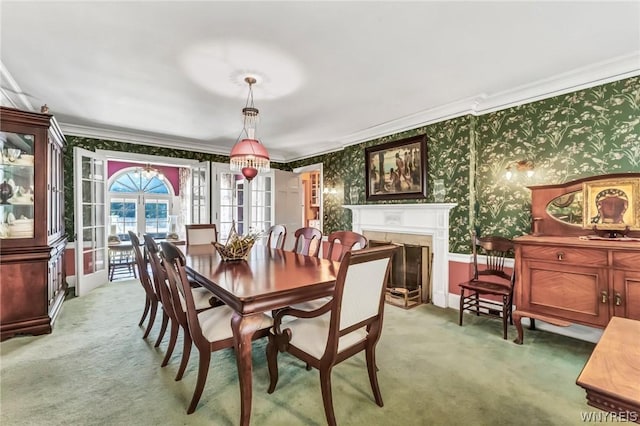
(409, 282)
(420, 221)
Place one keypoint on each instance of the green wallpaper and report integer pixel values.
(584, 133)
(590, 132)
(449, 159)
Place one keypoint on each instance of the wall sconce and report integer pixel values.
(522, 166)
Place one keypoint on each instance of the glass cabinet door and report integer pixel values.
(16, 185)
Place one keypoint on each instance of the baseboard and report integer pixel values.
(576, 331)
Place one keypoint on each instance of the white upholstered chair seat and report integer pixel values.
(310, 335)
(201, 298)
(349, 324)
(216, 323)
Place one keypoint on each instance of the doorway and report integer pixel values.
(312, 211)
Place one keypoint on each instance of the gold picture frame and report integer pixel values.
(612, 204)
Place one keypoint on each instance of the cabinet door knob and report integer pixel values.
(604, 296)
(560, 255)
(618, 299)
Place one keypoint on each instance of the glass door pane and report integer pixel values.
(200, 184)
(90, 216)
(17, 185)
(156, 214)
(232, 208)
(124, 217)
(261, 212)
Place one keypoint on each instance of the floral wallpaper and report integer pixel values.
(585, 133)
(448, 158)
(588, 132)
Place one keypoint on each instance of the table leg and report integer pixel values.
(243, 329)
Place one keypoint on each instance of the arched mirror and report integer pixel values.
(567, 208)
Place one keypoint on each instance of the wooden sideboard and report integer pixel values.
(566, 275)
(565, 280)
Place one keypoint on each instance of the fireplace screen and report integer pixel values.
(409, 276)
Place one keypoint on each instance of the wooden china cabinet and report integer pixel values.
(567, 272)
(32, 235)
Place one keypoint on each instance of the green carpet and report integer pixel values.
(95, 369)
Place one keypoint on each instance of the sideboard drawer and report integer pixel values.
(575, 256)
(626, 259)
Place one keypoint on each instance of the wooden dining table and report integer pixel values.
(267, 280)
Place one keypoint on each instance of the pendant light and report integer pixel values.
(248, 155)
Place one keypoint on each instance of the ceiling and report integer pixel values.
(329, 73)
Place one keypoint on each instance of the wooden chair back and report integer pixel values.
(340, 242)
(354, 324)
(141, 263)
(277, 236)
(308, 240)
(496, 250)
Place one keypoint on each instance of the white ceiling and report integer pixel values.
(330, 73)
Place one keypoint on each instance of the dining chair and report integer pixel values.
(492, 280)
(204, 233)
(122, 261)
(277, 236)
(160, 288)
(349, 323)
(210, 330)
(151, 297)
(340, 242)
(308, 240)
(203, 299)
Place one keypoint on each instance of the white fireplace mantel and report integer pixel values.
(424, 219)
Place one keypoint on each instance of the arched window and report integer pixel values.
(139, 201)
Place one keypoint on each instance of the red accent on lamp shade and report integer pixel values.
(249, 173)
(250, 157)
(249, 147)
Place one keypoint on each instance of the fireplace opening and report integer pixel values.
(409, 279)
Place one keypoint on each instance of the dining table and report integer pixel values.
(268, 279)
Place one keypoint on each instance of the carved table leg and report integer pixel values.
(243, 329)
(517, 320)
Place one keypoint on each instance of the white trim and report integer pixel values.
(155, 140)
(577, 331)
(11, 91)
(608, 71)
(158, 160)
(416, 219)
(468, 258)
(593, 75)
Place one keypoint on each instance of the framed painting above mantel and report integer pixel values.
(397, 170)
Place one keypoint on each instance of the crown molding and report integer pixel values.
(582, 78)
(593, 75)
(10, 92)
(151, 140)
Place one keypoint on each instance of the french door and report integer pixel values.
(90, 175)
(248, 205)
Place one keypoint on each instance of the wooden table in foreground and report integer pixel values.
(269, 279)
(611, 377)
